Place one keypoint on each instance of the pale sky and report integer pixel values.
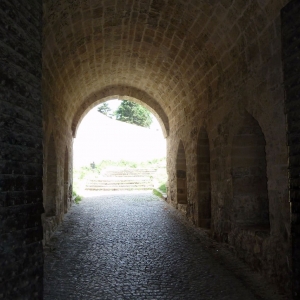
(99, 137)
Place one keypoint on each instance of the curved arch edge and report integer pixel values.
(121, 93)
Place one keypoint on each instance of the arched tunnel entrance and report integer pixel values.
(229, 67)
(119, 145)
(62, 188)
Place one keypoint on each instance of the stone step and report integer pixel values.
(124, 188)
(131, 170)
(128, 173)
(119, 184)
(121, 179)
(119, 187)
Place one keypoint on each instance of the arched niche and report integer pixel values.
(181, 175)
(249, 175)
(203, 180)
(66, 180)
(121, 93)
(51, 179)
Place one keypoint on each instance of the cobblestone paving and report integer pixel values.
(132, 246)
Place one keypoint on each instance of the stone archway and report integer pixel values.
(250, 192)
(199, 60)
(121, 93)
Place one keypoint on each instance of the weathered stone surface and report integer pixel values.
(200, 66)
(135, 246)
(21, 157)
(291, 63)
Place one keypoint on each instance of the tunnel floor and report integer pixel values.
(135, 246)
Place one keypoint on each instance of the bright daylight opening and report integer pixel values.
(113, 153)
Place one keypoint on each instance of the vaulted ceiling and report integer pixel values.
(168, 50)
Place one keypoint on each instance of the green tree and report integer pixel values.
(133, 113)
(105, 109)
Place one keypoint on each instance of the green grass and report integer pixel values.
(78, 198)
(163, 188)
(157, 193)
(84, 172)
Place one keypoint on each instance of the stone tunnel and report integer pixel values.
(222, 78)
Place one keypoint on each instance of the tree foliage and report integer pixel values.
(133, 113)
(105, 109)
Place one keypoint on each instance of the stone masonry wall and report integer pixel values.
(21, 153)
(251, 85)
(201, 65)
(205, 64)
(291, 61)
(57, 132)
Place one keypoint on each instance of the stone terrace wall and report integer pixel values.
(21, 155)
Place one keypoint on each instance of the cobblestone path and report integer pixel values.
(132, 246)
